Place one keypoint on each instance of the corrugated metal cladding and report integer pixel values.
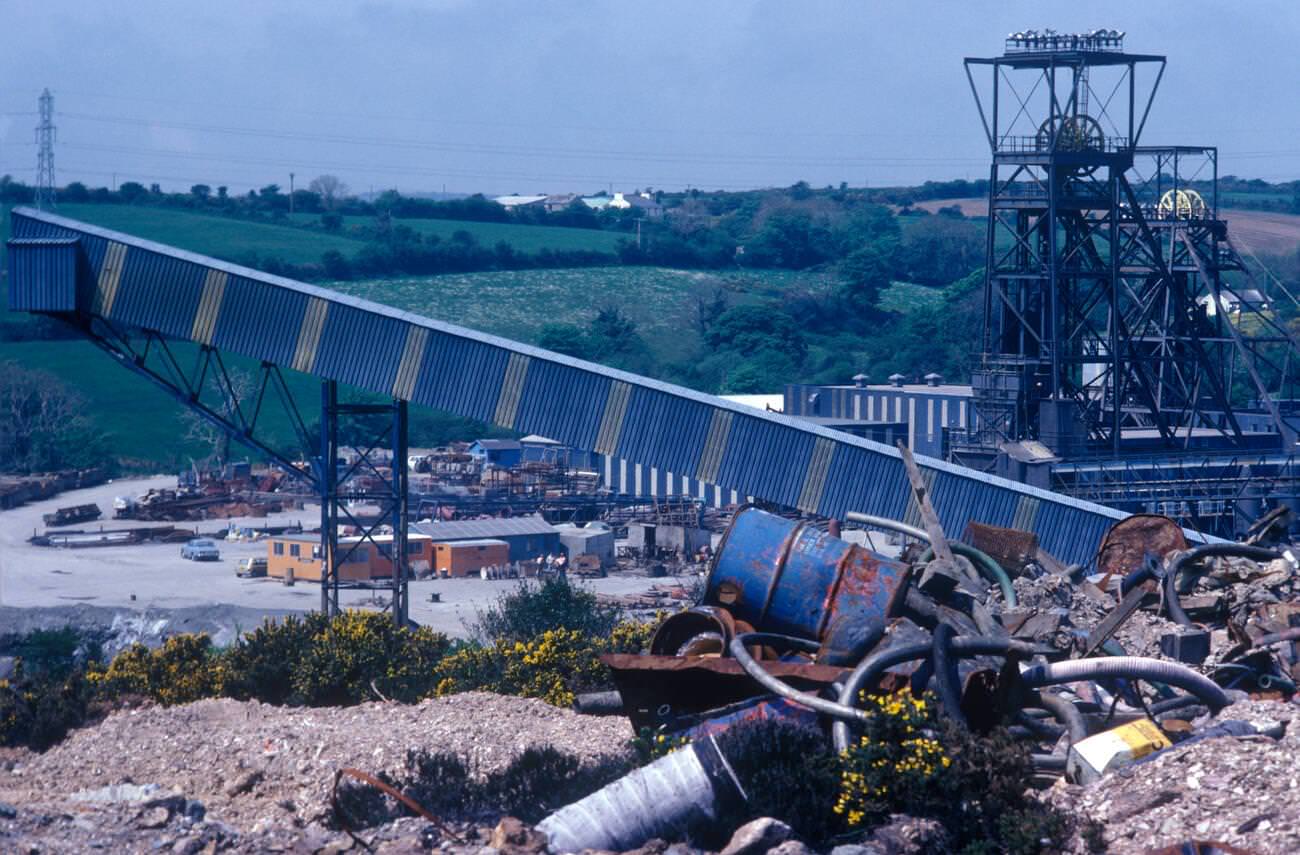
(623, 476)
(925, 411)
(667, 435)
(43, 275)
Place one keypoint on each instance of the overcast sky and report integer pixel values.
(550, 96)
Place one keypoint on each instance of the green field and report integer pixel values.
(523, 238)
(223, 237)
(517, 304)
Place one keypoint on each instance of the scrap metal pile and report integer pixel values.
(1094, 668)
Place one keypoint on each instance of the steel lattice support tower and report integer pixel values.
(45, 136)
(1109, 311)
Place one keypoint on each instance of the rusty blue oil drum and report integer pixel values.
(788, 577)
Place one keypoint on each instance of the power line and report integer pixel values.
(45, 133)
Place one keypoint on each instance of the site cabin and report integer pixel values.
(299, 554)
(467, 557)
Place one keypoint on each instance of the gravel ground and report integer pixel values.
(263, 773)
(1240, 791)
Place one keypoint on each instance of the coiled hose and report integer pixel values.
(870, 669)
(1237, 550)
(1132, 667)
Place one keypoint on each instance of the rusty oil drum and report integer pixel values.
(788, 577)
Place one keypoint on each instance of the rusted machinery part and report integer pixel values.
(1208, 550)
(1131, 667)
(1127, 543)
(1292, 634)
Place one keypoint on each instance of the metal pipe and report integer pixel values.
(1132, 667)
(887, 523)
(1191, 556)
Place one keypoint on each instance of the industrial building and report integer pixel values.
(298, 556)
(595, 539)
(468, 557)
(496, 452)
(529, 537)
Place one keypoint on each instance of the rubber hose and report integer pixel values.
(1191, 556)
(1036, 729)
(1292, 634)
(987, 567)
(1048, 763)
(779, 687)
(1132, 667)
(1137, 577)
(870, 669)
(1064, 711)
(886, 523)
(945, 672)
(1172, 704)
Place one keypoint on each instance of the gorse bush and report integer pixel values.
(184, 669)
(908, 761)
(360, 654)
(555, 666)
(37, 710)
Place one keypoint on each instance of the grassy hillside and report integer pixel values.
(523, 238)
(223, 237)
(517, 304)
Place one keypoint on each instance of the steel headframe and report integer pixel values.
(343, 484)
(203, 384)
(1107, 309)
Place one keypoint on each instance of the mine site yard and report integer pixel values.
(850, 507)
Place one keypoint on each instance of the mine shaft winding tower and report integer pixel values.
(1117, 312)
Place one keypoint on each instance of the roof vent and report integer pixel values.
(860, 380)
(896, 379)
(933, 379)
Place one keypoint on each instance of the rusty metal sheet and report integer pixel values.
(1010, 547)
(1128, 543)
(659, 689)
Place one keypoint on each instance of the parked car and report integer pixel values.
(200, 549)
(251, 567)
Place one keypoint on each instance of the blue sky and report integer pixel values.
(551, 96)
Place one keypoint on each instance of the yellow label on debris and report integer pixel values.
(1142, 737)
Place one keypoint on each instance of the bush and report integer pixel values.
(788, 771)
(532, 608)
(359, 654)
(184, 669)
(542, 780)
(908, 761)
(261, 664)
(555, 665)
(38, 710)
